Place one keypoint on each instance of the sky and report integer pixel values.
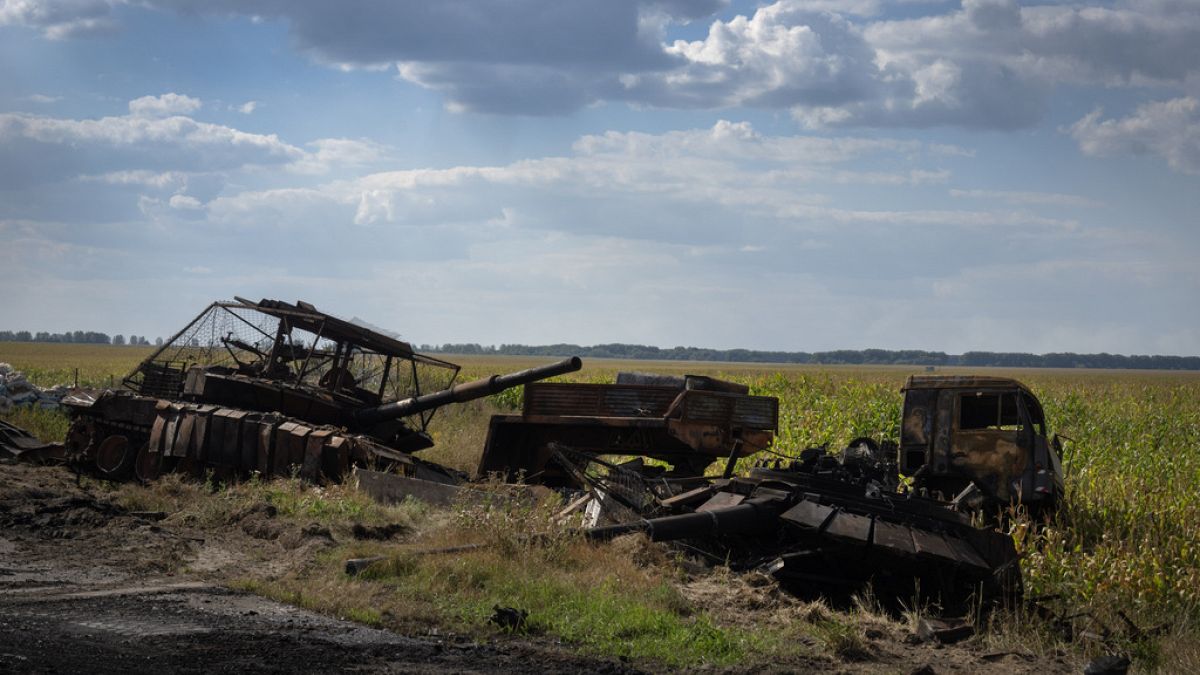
(799, 175)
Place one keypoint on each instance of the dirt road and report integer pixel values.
(86, 587)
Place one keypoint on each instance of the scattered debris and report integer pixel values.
(355, 566)
(509, 618)
(1107, 665)
(16, 443)
(944, 631)
(16, 391)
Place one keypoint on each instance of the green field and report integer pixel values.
(1129, 535)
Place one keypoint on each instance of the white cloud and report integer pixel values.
(142, 140)
(1166, 129)
(706, 175)
(248, 107)
(154, 179)
(60, 19)
(984, 64)
(330, 153)
(163, 106)
(1028, 198)
(184, 203)
(42, 98)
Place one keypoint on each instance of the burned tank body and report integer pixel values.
(279, 389)
(833, 526)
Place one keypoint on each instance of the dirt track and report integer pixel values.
(85, 587)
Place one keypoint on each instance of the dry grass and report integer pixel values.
(1129, 538)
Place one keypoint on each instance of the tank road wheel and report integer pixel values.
(146, 466)
(114, 457)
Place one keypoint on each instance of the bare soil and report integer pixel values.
(86, 586)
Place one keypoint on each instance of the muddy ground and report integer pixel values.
(89, 588)
(86, 586)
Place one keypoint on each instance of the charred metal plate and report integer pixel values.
(850, 528)
(157, 430)
(808, 515)
(722, 500)
(895, 538)
(311, 468)
(932, 545)
(183, 437)
(966, 554)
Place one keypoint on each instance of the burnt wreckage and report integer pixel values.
(276, 388)
(969, 446)
(284, 389)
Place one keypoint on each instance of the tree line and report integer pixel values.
(75, 337)
(909, 357)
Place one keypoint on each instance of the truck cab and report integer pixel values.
(987, 431)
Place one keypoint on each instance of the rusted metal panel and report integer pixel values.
(282, 454)
(183, 436)
(335, 457)
(172, 413)
(266, 443)
(200, 427)
(992, 458)
(310, 469)
(226, 436)
(756, 412)
(697, 406)
(597, 400)
(157, 430)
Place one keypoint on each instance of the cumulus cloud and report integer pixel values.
(60, 19)
(982, 64)
(152, 138)
(685, 186)
(1166, 129)
(184, 202)
(330, 153)
(163, 106)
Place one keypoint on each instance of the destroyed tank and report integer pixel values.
(278, 389)
(831, 525)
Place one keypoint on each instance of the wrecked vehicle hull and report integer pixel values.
(688, 422)
(834, 535)
(278, 389)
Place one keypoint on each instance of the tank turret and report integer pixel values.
(275, 387)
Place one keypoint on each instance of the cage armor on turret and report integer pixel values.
(275, 388)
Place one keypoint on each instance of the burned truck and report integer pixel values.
(981, 441)
(685, 422)
(279, 389)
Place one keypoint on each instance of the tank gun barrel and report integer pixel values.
(465, 392)
(754, 516)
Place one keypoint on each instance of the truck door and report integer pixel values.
(991, 444)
